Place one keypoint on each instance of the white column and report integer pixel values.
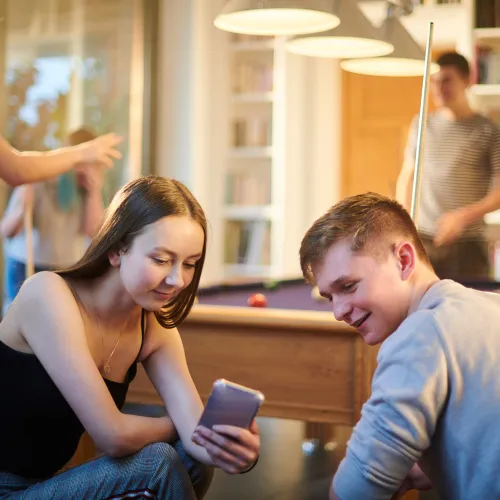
(76, 96)
(313, 163)
(325, 174)
(191, 112)
(136, 106)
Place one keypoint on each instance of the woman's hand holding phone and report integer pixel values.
(233, 449)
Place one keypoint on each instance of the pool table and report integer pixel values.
(309, 366)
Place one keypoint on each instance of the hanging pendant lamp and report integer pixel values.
(355, 37)
(276, 17)
(407, 59)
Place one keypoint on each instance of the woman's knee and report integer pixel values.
(174, 457)
(201, 475)
(163, 454)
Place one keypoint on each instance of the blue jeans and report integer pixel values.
(14, 276)
(159, 471)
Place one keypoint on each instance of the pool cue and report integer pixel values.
(417, 175)
(422, 124)
(28, 232)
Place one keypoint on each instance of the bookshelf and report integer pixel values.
(483, 50)
(254, 164)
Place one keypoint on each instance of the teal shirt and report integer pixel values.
(435, 400)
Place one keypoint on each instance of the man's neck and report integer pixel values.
(460, 111)
(423, 280)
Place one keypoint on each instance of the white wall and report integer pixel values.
(190, 123)
(313, 158)
(192, 127)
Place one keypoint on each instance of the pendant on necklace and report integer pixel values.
(107, 368)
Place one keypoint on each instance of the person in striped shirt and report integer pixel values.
(460, 174)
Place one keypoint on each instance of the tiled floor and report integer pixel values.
(284, 472)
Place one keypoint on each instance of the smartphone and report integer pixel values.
(231, 404)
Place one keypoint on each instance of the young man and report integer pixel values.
(461, 169)
(436, 392)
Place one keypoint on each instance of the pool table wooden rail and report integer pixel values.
(309, 366)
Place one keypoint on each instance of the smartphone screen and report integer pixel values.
(231, 404)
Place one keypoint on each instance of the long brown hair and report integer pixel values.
(139, 203)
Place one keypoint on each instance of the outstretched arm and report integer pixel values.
(18, 168)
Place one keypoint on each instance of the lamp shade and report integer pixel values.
(276, 17)
(407, 59)
(355, 37)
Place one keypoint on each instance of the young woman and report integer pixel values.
(68, 351)
(18, 168)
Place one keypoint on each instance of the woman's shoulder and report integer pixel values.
(45, 287)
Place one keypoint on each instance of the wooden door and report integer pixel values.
(376, 115)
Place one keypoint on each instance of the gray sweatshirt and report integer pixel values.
(435, 400)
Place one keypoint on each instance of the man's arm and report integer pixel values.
(489, 203)
(333, 496)
(452, 224)
(404, 184)
(409, 391)
(21, 168)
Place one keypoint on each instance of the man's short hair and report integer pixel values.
(369, 222)
(455, 60)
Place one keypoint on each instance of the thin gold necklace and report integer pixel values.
(107, 367)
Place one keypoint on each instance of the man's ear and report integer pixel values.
(406, 256)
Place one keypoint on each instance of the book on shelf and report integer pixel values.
(486, 69)
(487, 13)
(248, 242)
(252, 77)
(252, 132)
(248, 188)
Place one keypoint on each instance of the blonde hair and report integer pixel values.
(369, 222)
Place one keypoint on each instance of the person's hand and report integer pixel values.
(233, 449)
(102, 149)
(91, 178)
(416, 480)
(450, 226)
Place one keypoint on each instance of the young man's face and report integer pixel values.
(448, 87)
(367, 292)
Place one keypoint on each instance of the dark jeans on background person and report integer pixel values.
(14, 276)
(466, 259)
(159, 471)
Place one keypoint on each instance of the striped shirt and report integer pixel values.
(460, 161)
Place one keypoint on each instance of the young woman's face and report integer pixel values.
(161, 261)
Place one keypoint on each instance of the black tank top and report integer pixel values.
(39, 432)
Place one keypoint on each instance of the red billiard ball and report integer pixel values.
(257, 300)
